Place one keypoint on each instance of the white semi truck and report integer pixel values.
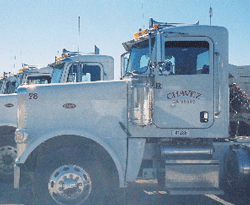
(8, 118)
(70, 67)
(26, 75)
(33, 75)
(166, 119)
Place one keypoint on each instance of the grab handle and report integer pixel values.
(217, 85)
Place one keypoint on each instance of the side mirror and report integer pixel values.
(166, 68)
(124, 63)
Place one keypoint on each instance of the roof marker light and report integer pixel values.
(137, 34)
(59, 58)
(144, 32)
(156, 26)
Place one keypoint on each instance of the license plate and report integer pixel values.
(180, 133)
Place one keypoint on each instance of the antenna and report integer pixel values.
(78, 34)
(78, 76)
(210, 13)
(142, 16)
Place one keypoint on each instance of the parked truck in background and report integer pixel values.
(33, 75)
(69, 67)
(8, 119)
(8, 81)
(239, 77)
(26, 75)
(167, 119)
(75, 67)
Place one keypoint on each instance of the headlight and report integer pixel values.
(20, 136)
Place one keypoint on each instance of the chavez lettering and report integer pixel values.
(184, 93)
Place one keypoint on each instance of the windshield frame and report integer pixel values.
(57, 72)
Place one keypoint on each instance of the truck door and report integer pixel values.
(184, 84)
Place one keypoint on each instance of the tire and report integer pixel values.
(69, 176)
(8, 155)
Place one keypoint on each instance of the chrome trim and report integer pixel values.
(187, 151)
(238, 165)
(21, 110)
(70, 184)
(17, 173)
(142, 104)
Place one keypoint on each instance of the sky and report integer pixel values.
(35, 31)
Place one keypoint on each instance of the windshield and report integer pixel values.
(38, 80)
(138, 60)
(10, 87)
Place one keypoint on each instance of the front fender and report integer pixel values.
(24, 150)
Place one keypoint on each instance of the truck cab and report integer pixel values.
(189, 69)
(34, 75)
(74, 67)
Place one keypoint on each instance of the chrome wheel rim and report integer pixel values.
(8, 155)
(69, 184)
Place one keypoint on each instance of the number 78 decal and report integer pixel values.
(33, 96)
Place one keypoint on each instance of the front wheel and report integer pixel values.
(70, 177)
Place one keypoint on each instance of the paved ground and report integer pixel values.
(136, 194)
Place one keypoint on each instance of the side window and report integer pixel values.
(91, 73)
(203, 63)
(84, 72)
(186, 58)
